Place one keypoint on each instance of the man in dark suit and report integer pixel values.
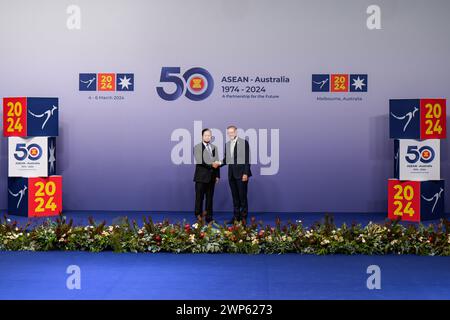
(237, 157)
(205, 176)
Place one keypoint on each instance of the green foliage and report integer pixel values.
(321, 238)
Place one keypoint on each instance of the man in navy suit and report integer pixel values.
(206, 175)
(237, 157)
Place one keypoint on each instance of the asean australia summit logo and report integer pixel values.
(196, 84)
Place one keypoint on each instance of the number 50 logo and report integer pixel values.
(196, 83)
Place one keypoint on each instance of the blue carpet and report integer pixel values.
(42, 275)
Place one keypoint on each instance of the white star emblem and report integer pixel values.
(125, 82)
(52, 158)
(358, 83)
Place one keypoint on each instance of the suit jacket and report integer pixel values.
(239, 164)
(204, 172)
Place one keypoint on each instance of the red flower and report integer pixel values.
(202, 235)
(158, 238)
(230, 229)
(187, 227)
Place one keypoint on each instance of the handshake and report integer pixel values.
(216, 164)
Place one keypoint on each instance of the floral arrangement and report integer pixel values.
(321, 238)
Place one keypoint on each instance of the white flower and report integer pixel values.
(195, 225)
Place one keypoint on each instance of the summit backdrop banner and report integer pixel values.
(307, 82)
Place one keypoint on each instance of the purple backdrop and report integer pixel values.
(333, 155)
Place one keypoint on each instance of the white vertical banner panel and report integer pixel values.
(419, 160)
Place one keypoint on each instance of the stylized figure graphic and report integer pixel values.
(322, 83)
(436, 196)
(47, 113)
(409, 115)
(51, 157)
(89, 82)
(19, 194)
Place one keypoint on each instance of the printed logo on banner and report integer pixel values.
(320, 82)
(433, 203)
(35, 197)
(31, 152)
(433, 118)
(88, 82)
(358, 82)
(51, 156)
(418, 160)
(196, 84)
(19, 197)
(404, 200)
(15, 116)
(46, 194)
(339, 83)
(432, 199)
(105, 82)
(404, 118)
(125, 82)
(31, 157)
(43, 116)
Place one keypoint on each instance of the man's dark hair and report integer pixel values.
(204, 130)
(232, 127)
